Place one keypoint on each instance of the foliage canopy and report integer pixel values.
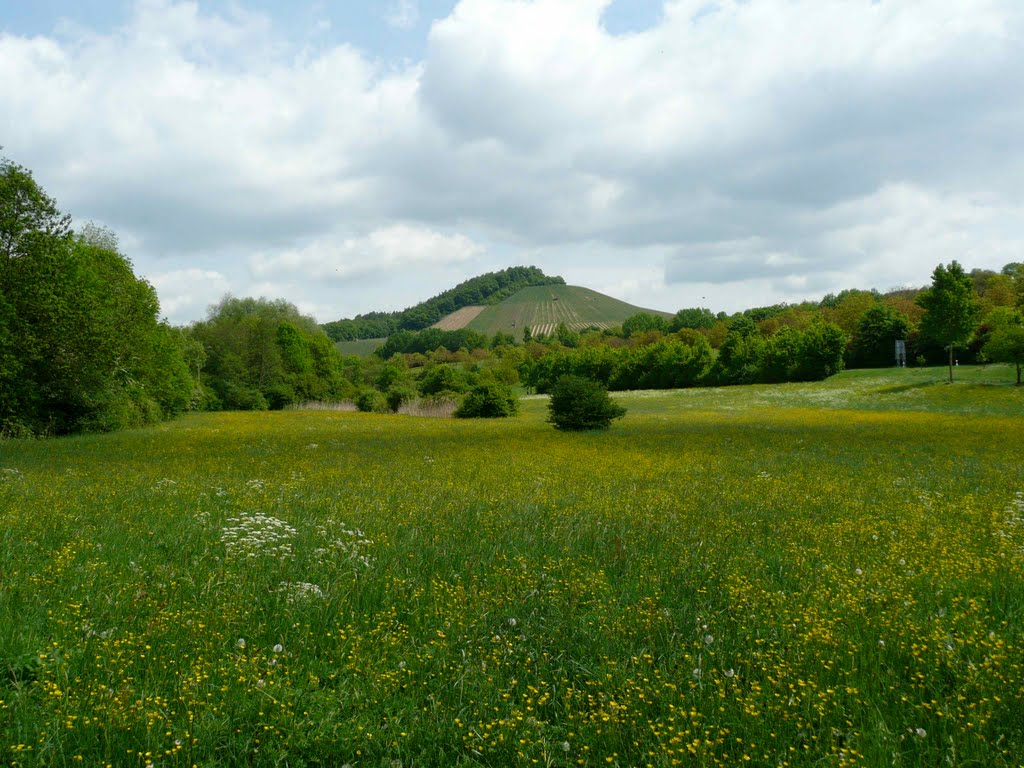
(488, 400)
(81, 345)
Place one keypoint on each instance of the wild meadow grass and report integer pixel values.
(810, 575)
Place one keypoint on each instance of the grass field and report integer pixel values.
(543, 307)
(806, 575)
(360, 347)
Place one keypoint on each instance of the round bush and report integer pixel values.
(371, 401)
(489, 400)
(399, 395)
(579, 404)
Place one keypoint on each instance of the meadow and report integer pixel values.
(827, 574)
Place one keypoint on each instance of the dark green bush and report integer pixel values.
(399, 395)
(579, 404)
(279, 396)
(488, 400)
(371, 401)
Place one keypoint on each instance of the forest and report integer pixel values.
(83, 347)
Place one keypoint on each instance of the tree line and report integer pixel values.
(83, 348)
(973, 317)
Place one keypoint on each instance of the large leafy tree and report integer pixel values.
(951, 309)
(1006, 340)
(692, 317)
(27, 214)
(81, 346)
(873, 344)
(263, 353)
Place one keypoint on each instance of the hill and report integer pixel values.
(489, 288)
(542, 308)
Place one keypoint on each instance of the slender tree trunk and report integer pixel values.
(950, 363)
(1018, 374)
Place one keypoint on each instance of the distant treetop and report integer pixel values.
(489, 288)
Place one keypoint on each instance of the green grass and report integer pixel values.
(360, 347)
(542, 308)
(809, 575)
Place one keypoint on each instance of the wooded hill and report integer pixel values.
(489, 288)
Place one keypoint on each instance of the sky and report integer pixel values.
(356, 156)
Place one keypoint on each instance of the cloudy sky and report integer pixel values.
(351, 156)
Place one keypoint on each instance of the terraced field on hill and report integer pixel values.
(542, 308)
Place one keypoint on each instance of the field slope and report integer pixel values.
(542, 308)
(807, 575)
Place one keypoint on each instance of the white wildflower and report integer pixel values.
(256, 535)
(296, 591)
(347, 545)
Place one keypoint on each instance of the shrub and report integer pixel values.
(399, 395)
(371, 401)
(579, 404)
(279, 395)
(488, 400)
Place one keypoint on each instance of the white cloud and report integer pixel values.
(777, 147)
(186, 293)
(403, 14)
(399, 247)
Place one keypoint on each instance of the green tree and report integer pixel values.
(566, 336)
(262, 353)
(874, 341)
(501, 339)
(642, 322)
(951, 309)
(693, 317)
(82, 346)
(440, 378)
(1006, 340)
(579, 404)
(780, 355)
(820, 352)
(27, 213)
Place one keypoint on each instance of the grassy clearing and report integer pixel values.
(827, 574)
(360, 347)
